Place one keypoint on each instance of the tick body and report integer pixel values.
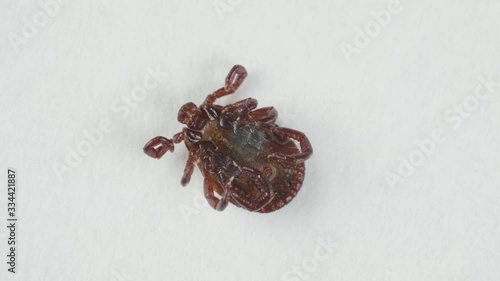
(244, 157)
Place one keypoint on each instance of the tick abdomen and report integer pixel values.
(246, 146)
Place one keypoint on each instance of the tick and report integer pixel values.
(244, 157)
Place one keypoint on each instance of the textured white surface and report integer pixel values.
(117, 215)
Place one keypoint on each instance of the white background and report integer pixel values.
(118, 214)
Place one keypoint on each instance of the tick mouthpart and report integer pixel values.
(157, 147)
(187, 113)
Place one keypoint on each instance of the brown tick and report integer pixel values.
(243, 155)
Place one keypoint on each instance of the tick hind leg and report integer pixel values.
(305, 146)
(214, 202)
(237, 110)
(234, 79)
(264, 115)
(265, 196)
(189, 168)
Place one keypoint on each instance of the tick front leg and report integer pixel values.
(305, 146)
(158, 146)
(213, 201)
(234, 79)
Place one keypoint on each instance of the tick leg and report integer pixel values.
(158, 146)
(237, 110)
(253, 204)
(234, 79)
(188, 170)
(264, 115)
(242, 107)
(213, 201)
(305, 146)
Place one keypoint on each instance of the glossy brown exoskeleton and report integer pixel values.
(242, 154)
